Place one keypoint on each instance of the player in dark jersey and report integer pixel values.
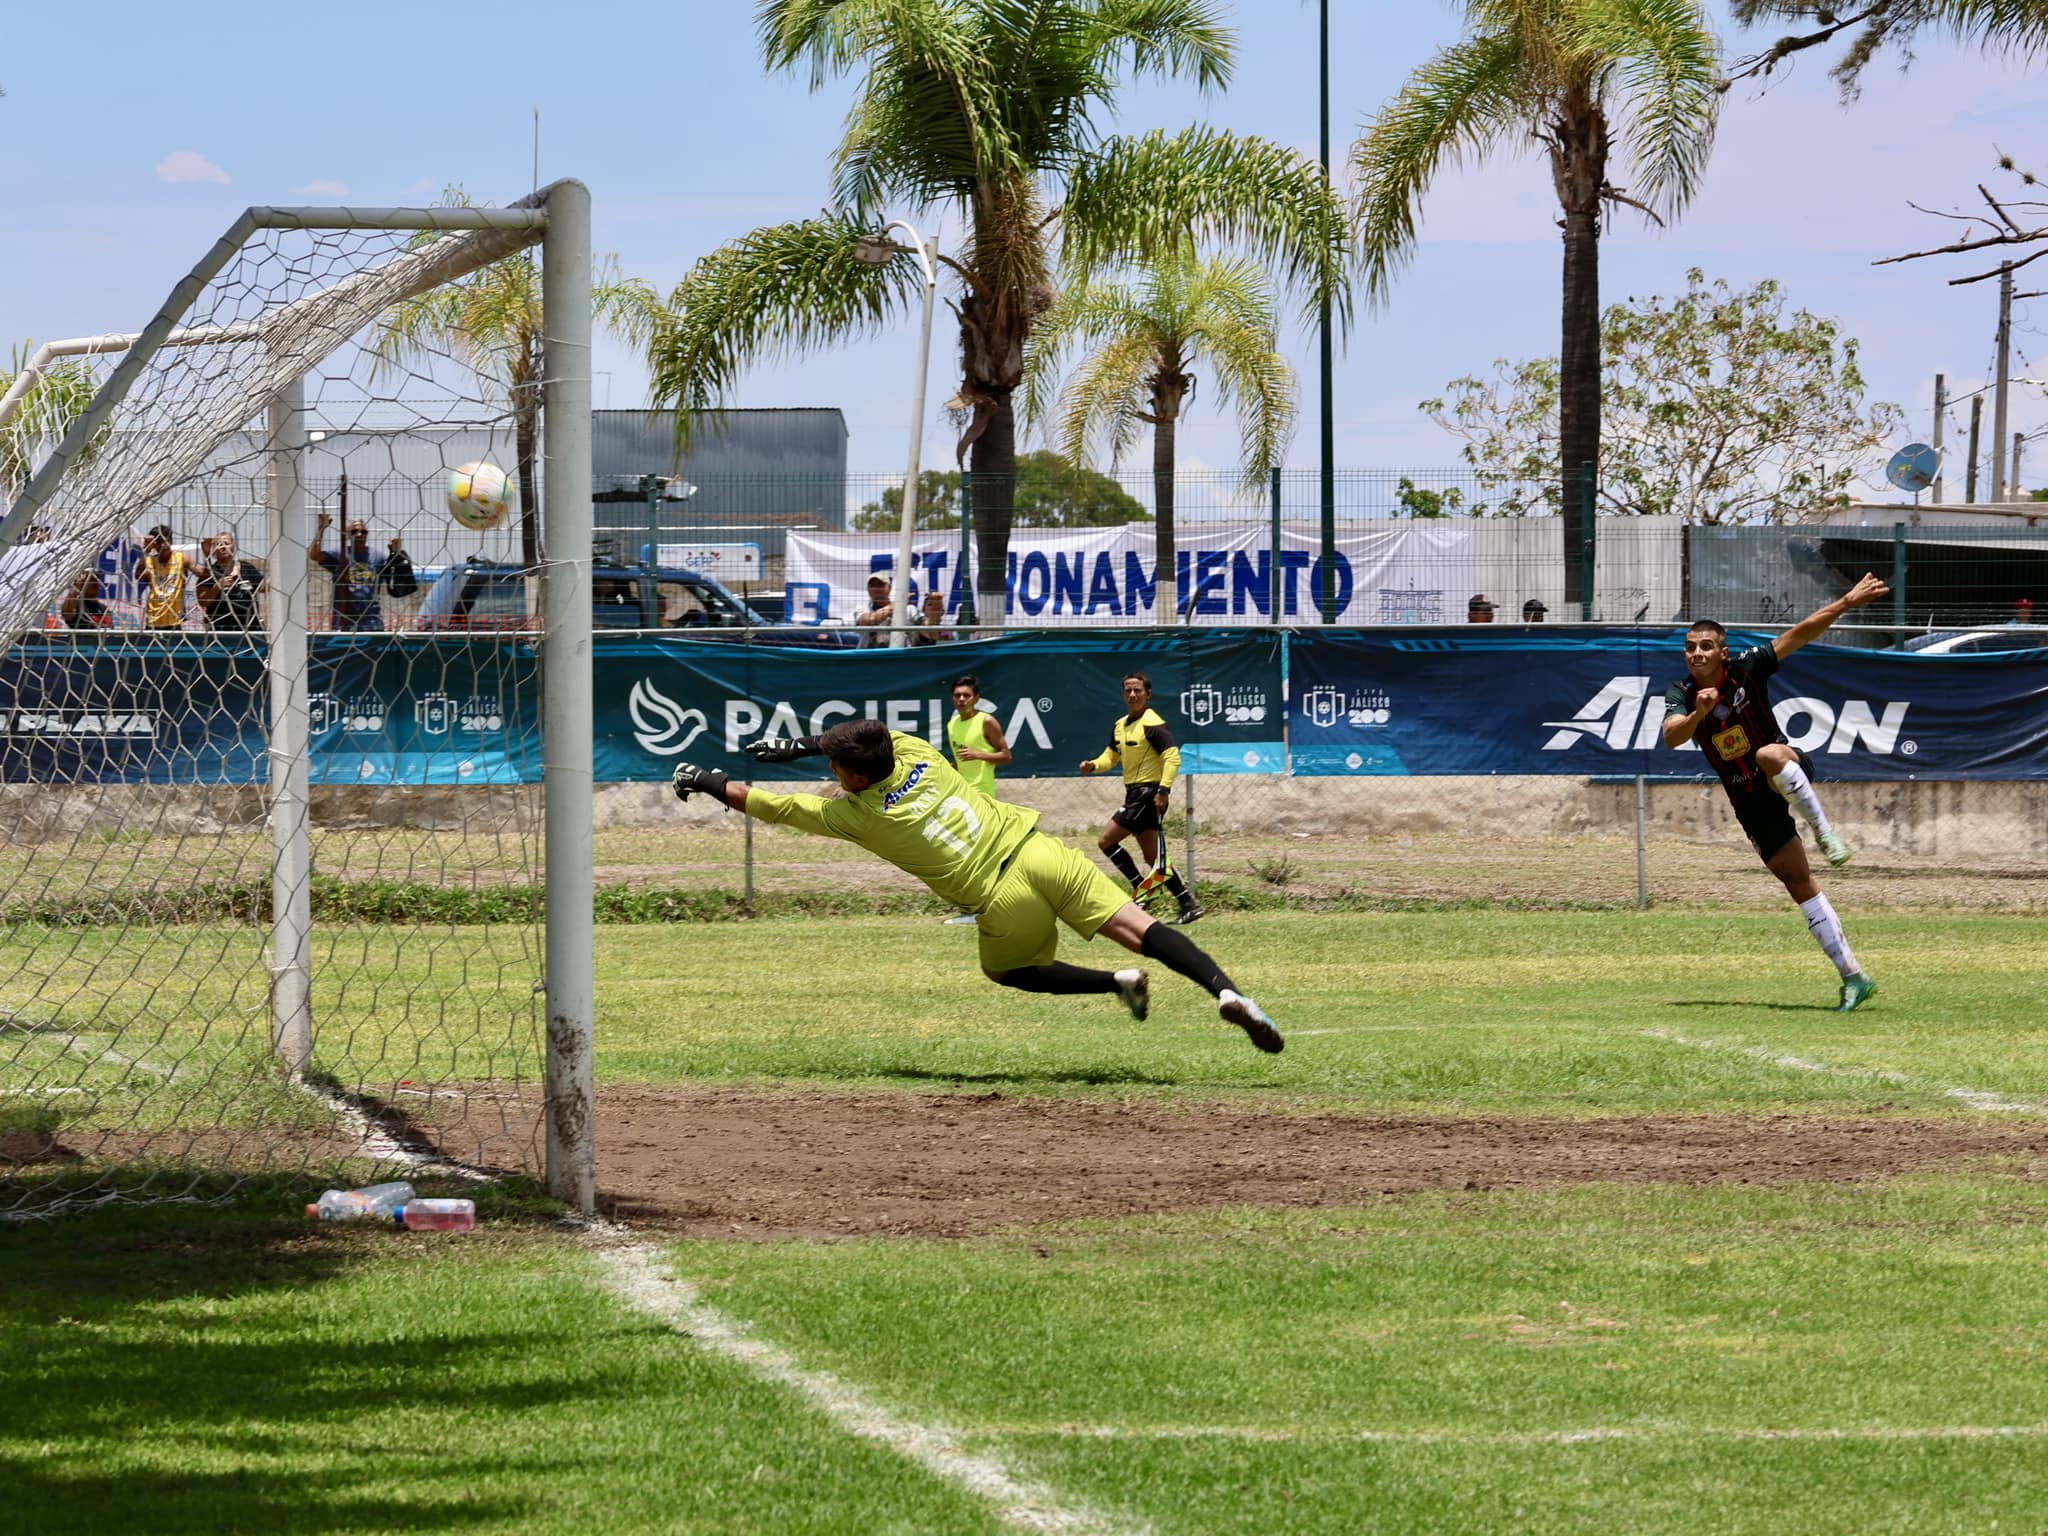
(1725, 706)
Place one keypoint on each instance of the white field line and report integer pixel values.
(1670, 1432)
(1975, 1098)
(641, 1276)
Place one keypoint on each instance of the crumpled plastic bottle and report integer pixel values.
(353, 1204)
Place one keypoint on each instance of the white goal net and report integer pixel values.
(271, 800)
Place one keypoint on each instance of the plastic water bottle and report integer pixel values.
(436, 1215)
(350, 1204)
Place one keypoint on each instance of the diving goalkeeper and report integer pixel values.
(905, 804)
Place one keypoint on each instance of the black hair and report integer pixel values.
(163, 531)
(969, 681)
(1141, 677)
(1714, 624)
(863, 746)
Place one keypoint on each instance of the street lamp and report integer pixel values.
(878, 251)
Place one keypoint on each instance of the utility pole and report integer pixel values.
(1940, 414)
(1970, 472)
(1327, 597)
(2013, 485)
(2000, 382)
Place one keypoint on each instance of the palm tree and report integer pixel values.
(491, 322)
(1581, 77)
(990, 109)
(44, 415)
(1148, 335)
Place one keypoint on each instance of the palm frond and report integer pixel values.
(1102, 406)
(1457, 107)
(1142, 197)
(1171, 39)
(1088, 312)
(780, 290)
(1668, 67)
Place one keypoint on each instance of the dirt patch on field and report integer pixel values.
(720, 1163)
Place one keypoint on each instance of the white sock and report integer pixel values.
(1797, 788)
(1827, 932)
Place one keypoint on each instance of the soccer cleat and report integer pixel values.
(1251, 1018)
(1191, 913)
(1832, 848)
(1136, 992)
(1856, 992)
(961, 920)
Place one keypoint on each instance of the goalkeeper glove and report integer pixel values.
(689, 777)
(782, 749)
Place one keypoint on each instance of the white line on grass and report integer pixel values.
(1257, 1432)
(641, 1276)
(1975, 1098)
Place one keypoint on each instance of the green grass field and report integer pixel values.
(1818, 1356)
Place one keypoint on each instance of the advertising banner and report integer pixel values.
(1415, 573)
(194, 709)
(1590, 702)
(660, 700)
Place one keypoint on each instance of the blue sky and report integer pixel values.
(132, 133)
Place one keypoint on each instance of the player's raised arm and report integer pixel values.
(1815, 624)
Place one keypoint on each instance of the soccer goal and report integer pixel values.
(295, 844)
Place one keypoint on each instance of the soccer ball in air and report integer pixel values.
(479, 495)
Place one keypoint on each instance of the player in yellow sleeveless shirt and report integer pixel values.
(904, 803)
(979, 748)
(978, 744)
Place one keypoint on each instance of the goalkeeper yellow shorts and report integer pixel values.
(1046, 880)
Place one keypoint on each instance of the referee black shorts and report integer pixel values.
(1139, 812)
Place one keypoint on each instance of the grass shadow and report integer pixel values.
(1702, 1002)
(1088, 1075)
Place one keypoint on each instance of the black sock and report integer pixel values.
(1171, 947)
(1179, 887)
(1125, 865)
(1058, 977)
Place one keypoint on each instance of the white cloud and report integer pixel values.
(424, 187)
(322, 188)
(189, 165)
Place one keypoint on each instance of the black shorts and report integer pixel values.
(1767, 818)
(1139, 813)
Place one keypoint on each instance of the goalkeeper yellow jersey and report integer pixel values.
(924, 818)
(1146, 749)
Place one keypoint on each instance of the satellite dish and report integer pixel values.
(1913, 467)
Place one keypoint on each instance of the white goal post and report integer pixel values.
(243, 353)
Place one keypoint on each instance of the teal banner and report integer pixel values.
(662, 700)
(405, 709)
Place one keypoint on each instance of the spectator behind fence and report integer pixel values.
(164, 573)
(1479, 610)
(930, 631)
(83, 607)
(880, 612)
(357, 576)
(1533, 611)
(228, 586)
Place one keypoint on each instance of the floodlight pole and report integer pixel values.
(566, 747)
(291, 821)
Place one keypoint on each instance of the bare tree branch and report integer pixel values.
(1763, 63)
(1612, 195)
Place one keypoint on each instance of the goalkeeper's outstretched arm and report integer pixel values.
(806, 813)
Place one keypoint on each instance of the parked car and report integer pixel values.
(1970, 642)
(483, 596)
